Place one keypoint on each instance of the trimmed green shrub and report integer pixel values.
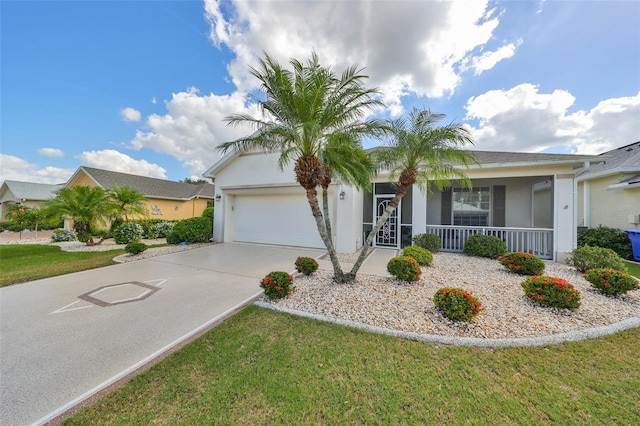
(277, 285)
(421, 255)
(430, 242)
(405, 268)
(457, 304)
(135, 247)
(611, 282)
(484, 246)
(605, 237)
(551, 291)
(192, 230)
(208, 213)
(64, 235)
(522, 263)
(128, 232)
(587, 257)
(306, 265)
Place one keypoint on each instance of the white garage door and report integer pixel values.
(275, 219)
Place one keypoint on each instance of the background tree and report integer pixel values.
(128, 202)
(310, 114)
(193, 181)
(422, 153)
(28, 217)
(86, 205)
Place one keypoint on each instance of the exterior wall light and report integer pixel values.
(218, 197)
(342, 193)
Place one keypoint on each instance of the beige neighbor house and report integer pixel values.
(25, 194)
(164, 199)
(528, 200)
(609, 191)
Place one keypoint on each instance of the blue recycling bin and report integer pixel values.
(634, 236)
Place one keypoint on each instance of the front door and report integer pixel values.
(388, 235)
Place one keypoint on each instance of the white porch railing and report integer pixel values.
(537, 241)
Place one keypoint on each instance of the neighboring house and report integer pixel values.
(164, 199)
(528, 200)
(609, 191)
(26, 194)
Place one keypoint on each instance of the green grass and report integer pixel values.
(633, 268)
(263, 367)
(27, 262)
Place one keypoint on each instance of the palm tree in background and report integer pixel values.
(87, 206)
(314, 119)
(128, 202)
(423, 153)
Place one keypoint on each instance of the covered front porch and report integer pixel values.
(537, 241)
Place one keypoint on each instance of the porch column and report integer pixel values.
(348, 219)
(418, 212)
(564, 226)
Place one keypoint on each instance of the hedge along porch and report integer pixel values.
(528, 200)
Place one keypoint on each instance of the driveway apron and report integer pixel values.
(64, 338)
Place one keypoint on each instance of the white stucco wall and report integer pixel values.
(564, 218)
(598, 205)
(258, 173)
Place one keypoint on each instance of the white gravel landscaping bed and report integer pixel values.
(408, 307)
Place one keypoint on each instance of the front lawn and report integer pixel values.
(263, 367)
(633, 268)
(27, 262)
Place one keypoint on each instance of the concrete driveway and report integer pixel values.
(63, 339)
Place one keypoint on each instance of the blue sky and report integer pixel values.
(142, 86)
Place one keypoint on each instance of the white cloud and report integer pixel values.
(153, 100)
(109, 159)
(408, 47)
(489, 60)
(522, 119)
(51, 152)
(130, 114)
(193, 127)
(15, 168)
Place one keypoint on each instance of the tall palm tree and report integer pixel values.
(422, 153)
(128, 202)
(308, 115)
(86, 205)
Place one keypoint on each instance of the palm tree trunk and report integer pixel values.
(399, 195)
(312, 197)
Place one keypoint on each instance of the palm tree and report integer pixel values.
(310, 115)
(128, 202)
(420, 153)
(86, 205)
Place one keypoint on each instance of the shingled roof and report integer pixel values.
(625, 159)
(149, 187)
(30, 191)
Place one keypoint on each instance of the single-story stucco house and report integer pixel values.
(527, 199)
(26, 194)
(164, 199)
(609, 191)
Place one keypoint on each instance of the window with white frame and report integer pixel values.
(471, 207)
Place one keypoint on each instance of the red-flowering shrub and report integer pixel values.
(610, 281)
(457, 304)
(405, 268)
(277, 285)
(522, 263)
(552, 291)
(306, 265)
